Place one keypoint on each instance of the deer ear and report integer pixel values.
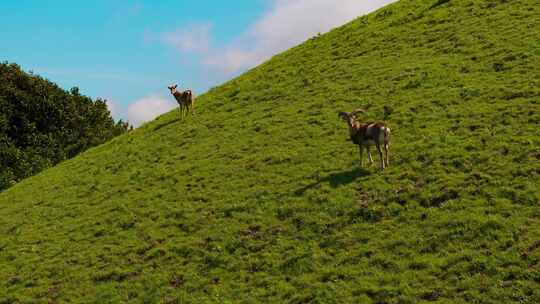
(175, 86)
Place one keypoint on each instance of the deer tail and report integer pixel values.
(387, 133)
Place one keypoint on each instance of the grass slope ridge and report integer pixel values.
(259, 197)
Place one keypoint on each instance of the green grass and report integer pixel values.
(259, 197)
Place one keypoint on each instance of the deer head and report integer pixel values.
(173, 88)
(350, 117)
(345, 116)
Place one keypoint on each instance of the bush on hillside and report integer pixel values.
(42, 124)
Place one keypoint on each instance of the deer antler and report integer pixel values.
(354, 112)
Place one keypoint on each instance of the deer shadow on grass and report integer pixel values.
(335, 180)
(163, 125)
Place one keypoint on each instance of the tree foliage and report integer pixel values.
(42, 124)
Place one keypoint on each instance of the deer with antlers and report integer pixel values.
(184, 99)
(366, 134)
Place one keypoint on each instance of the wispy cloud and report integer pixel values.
(193, 38)
(286, 24)
(148, 108)
(114, 107)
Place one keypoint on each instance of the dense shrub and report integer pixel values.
(42, 124)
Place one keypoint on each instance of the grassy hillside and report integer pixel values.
(259, 197)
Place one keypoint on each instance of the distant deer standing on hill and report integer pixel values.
(184, 99)
(366, 134)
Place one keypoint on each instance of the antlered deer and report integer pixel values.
(366, 134)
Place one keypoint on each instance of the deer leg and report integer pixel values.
(381, 155)
(386, 150)
(369, 155)
(361, 154)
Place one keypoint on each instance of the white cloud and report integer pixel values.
(114, 107)
(148, 108)
(286, 24)
(232, 59)
(193, 38)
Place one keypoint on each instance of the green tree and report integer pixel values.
(42, 124)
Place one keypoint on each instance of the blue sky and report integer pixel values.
(129, 51)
